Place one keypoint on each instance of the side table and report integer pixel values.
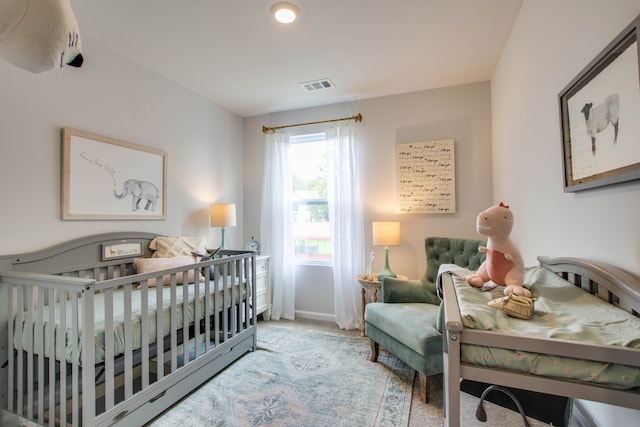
(374, 286)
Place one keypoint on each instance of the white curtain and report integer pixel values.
(346, 218)
(276, 223)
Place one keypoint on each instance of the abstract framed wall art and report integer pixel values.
(425, 177)
(103, 178)
(599, 112)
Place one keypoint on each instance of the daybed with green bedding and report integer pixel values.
(583, 340)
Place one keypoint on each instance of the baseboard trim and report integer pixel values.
(311, 315)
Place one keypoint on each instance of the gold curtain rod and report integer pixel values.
(266, 129)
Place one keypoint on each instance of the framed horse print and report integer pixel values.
(599, 112)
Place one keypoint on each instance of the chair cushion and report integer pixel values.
(402, 290)
(412, 324)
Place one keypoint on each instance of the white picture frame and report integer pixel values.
(107, 179)
(121, 249)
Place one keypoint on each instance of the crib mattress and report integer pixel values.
(562, 311)
(216, 296)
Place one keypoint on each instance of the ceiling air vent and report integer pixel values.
(317, 85)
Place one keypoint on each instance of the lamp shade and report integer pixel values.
(386, 233)
(222, 215)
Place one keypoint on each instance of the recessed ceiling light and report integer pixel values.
(284, 12)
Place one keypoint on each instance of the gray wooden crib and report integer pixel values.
(60, 366)
(582, 342)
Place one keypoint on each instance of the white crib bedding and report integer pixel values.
(41, 331)
(562, 311)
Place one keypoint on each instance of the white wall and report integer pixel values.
(549, 45)
(114, 97)
(462, 113)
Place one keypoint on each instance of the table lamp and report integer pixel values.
(222, 215)
(386, 233)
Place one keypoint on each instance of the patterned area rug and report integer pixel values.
(301, 378)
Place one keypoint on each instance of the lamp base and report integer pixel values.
(386, 272)
(223, 245)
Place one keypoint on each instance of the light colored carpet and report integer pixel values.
(301, 377)
(421, 414)
(309, 373)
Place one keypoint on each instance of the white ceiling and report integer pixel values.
(233, 53)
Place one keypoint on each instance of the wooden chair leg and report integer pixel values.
(424, 386)
(375, 347)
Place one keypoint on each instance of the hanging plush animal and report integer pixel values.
(39, 35)
(503, 265)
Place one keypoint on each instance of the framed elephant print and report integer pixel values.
(107, 179)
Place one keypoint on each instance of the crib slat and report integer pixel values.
(144, 325)
(207, 310)
(174, 327)
(232, 292)
(229, 310)
(29, 338)
(243, 295)
(75, 378)
(185, 324)
(159, 333)
(216, 318)
(108, 350)
(18, 384)
(41, 359)
(252, 299)
(196, 317)
(10, 345)
(249, 273)
(61, 344)
(235, 307)
(128, 344)
(225, 283)
(51, 345)
(88, 357)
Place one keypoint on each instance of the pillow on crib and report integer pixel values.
(148, 265)
(166, 247)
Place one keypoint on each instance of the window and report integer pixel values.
(308, 160)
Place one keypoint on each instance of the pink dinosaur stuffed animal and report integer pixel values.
(503, 265)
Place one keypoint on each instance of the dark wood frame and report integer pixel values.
(624, 40)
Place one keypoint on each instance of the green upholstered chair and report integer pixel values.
(407, 320)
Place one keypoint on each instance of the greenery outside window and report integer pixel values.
(311, 229)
